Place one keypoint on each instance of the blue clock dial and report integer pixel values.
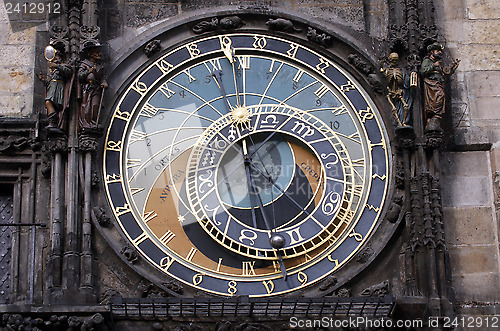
(229, 141)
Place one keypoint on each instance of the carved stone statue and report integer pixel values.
(91, 86)
(58, 89)
(434, 73)
(399, 93)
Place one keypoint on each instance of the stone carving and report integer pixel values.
(398, 37)
(57, 143)
(343, 293)
(58, 90)
(130, 254)
(378, 290)
(99, 214)
(95, 322)
(281, 24)
(366, 69)
(321, 39)
(107, 297)
(151, 48)
(11, 143)
(88, 36)
(231, 22)
(87, 141)
(327, 283)
(394, 209)
(399, 89)
(174, 286)
(364, 255)
(433, 72)
(91, 86)
(226, 23)
(206, 26)
(58, 37)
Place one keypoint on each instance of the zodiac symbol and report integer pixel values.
(214, 212)
(328, 165)
(205, 181)
(208, 156)
(299, 127)
(218, 144)
(269, 122)
(243, 236)
(330, 204)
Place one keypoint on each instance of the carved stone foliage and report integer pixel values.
(89, 36)
(319, 38)
(377, 290)
(88, 140)
(151, 48)
(57, 144)
(398, 38)
(59, 37)
(213, 24)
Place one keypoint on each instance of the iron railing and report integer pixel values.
(154, 308)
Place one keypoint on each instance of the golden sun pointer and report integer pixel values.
(240, 116)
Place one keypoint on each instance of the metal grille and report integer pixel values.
(250, 307)
(5, 247)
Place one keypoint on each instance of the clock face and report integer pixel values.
(246, 164)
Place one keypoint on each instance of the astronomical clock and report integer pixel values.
(246, 162)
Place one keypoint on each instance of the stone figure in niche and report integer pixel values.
(58, 89)
(399, 90)
(91, 86)
(434, 73)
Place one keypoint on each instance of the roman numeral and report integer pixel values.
(137, 135)
(298, 75)
(148, 216)
(166, 91)
(248, 269)
(133, 163)
(321, 91)
(191, 254)
(188, 73)
(167, 237)
(244, 61)
(140, 238)
(148, 110)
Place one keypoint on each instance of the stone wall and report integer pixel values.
(17, 54)
(470, 174)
